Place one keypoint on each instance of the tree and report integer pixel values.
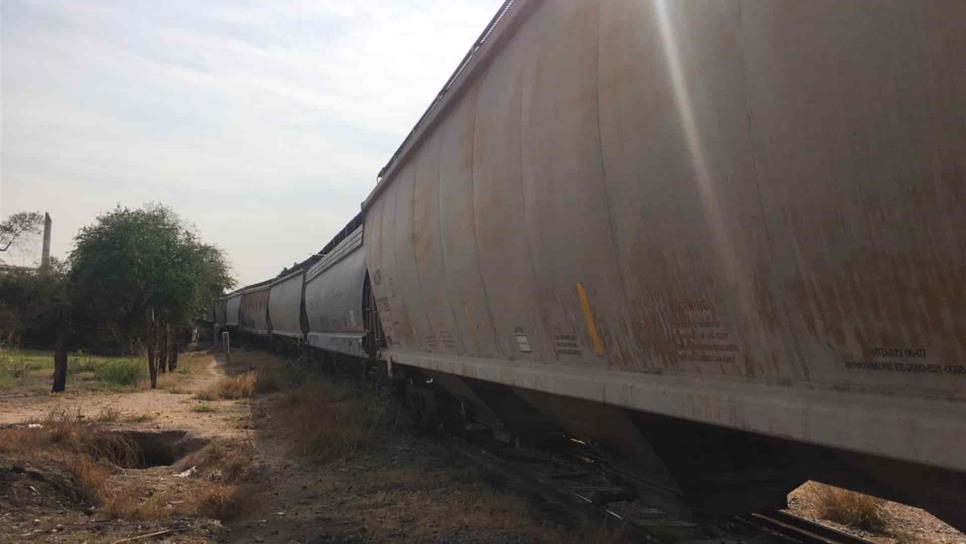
(30, 303)
(139, 271)
(18, 228)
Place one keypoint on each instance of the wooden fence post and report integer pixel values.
(152, 341)
(60, 349)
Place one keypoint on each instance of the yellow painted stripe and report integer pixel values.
(589, 320)
(471, 325)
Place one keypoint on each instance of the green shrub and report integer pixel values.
(121, 371)
(17, 365)
(81, 362)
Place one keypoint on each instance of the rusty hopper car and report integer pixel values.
(713, 216)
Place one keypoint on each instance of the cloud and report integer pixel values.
(263, 123)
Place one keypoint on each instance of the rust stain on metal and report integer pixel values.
(597, 344)
(887, 299)
(491, 234)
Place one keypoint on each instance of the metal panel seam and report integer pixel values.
(547, 331)
(476, 226)
(603, 177)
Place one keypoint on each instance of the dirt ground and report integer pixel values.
(290, 461)
(900, 524)
(167, 408)
(395, 487)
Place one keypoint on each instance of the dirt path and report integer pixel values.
(392, 486)
(405, 489)
(170, 408)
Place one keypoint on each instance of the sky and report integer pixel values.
(263, 124)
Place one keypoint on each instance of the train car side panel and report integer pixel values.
(742, 229)
(427, 247)
(465, 289)
(285, 305)
(221, 312)
(232, 307)
(501, 207)
(334, 298)
(253, 312)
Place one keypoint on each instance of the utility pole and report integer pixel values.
(45, 255)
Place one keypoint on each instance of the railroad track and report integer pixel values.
(800, 529)
(585, 489)
(578, 492)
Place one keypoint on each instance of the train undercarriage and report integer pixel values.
(688, 469)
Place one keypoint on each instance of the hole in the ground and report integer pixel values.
(152, 449)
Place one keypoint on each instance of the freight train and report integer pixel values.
(725, 239)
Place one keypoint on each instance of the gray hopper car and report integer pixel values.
(745, 215)
(285, 305)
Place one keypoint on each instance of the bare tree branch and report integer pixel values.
(18, 227)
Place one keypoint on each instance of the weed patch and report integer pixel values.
(86, 453)
(847, 507)
(325, 422)
(108, 413)
(171, 382)
(18, 365)
(224, 502)
(241, 386)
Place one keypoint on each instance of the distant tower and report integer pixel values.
(45, 256)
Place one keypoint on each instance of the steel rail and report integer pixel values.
(561, 486)
(801, 529)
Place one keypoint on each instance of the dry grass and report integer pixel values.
(130, 503)
(108, 413)
(67, 431)
(85, 452)
(228, 468)
(90, 456)
(178, 380)
(241, 386)
(173, 383)
(138, 418)
(88, 477)
(224, 502)
(193, 362)
(203, 498)
(243, 360)
(324, 421)
(220, 487)
(203, 408)
(846, 507)
(229, 462)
